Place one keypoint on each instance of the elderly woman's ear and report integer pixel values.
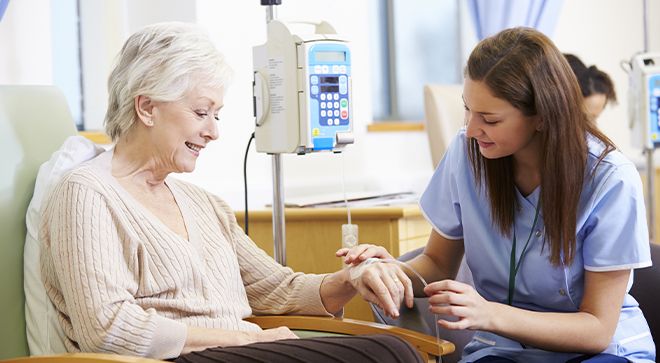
(144, 108)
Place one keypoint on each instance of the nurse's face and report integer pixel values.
(499, 128)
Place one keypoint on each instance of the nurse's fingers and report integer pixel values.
(450, 310)
(447, 285)
(361, 252)
(460, 324)
(449, 298)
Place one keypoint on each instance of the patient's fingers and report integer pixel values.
(408, 294)
(382, 292)
(390, 285)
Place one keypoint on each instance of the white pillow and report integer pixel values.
(44, 334)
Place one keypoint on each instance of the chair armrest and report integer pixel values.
(81, 358)
(425, 344)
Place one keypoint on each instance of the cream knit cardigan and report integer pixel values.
(123, 282)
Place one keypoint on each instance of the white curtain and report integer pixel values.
(3, 7)
(491, 16)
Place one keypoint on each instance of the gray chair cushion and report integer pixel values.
(646, 290)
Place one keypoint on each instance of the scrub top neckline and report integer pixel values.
(530, 201)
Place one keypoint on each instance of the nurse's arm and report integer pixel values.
(589, 330)
(440, 260)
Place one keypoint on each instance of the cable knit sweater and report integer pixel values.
(123, 282)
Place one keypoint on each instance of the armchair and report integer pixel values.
(443, 115)
(34, 122)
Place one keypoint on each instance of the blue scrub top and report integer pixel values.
(611, 235)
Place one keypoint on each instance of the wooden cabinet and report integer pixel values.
(313, 235)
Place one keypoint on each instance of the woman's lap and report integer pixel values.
(364, 348)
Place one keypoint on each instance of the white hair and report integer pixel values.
(163, 62)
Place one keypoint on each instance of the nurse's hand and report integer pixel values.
(462, 301)
(362, 252)
(383, 284)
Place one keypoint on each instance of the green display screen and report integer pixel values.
(330, 56)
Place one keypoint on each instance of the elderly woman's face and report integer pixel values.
(183, 128)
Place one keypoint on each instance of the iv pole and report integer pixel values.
(279, 232)
(650, 166)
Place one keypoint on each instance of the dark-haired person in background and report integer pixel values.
(597, 86)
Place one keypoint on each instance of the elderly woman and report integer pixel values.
(137, 262)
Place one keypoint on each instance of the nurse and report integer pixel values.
(548, 214)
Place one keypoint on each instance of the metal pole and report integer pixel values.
(646, 25)
(271, 13)
(650, 165)
(391, 52)
(279, 230)
(279, 236)
(650, 192)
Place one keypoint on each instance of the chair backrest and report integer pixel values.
(34, 121)
(444, 116)
(646, 290)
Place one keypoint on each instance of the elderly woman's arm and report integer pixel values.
(274, 289)
(336, 291)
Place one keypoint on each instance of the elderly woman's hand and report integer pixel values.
(270, 335)
(383, 284)
(202, 338)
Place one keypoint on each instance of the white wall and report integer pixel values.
(605, 32)
(394, 161)
(602, 32)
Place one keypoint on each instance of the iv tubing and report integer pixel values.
(343, 187)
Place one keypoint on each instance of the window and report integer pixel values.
(66, 56)
(414, 42)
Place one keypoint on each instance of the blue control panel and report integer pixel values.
(329, 104)
(654, 109)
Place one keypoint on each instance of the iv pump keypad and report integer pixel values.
(331, 91)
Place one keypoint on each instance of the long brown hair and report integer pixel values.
(523, 67)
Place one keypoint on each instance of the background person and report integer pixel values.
(596, 86)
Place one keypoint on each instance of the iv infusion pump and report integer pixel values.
(302, 90)
(644, 99)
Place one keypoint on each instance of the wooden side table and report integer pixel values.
(314, 234)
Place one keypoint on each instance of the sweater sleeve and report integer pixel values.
(95, 267)
(271, 288)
